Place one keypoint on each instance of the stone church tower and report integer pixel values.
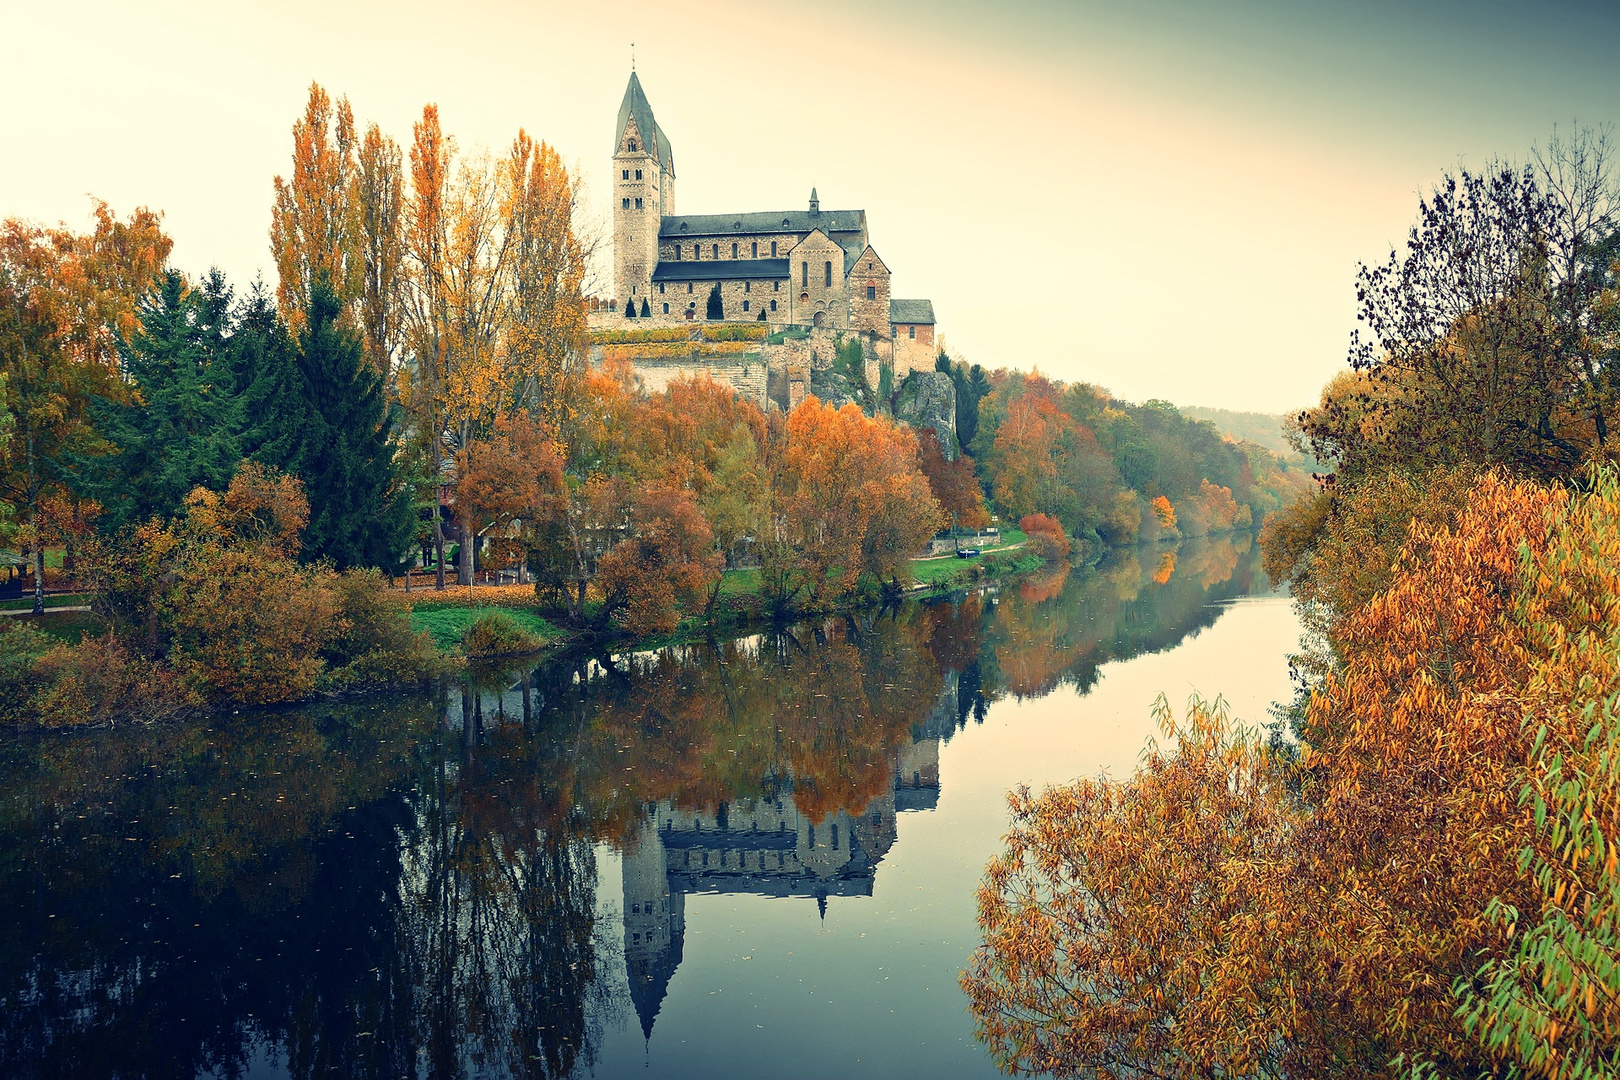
(643, 192)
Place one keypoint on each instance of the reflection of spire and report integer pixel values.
(654, 927)
(821, 905)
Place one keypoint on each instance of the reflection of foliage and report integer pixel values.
(364, 893)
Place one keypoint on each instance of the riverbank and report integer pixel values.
(740, 602)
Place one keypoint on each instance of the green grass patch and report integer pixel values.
(65, 600)
(446, 623)
(69, 626)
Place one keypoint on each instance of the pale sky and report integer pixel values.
(1166, 198)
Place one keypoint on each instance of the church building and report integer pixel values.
(810, 267)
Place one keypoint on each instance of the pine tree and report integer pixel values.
(264, 360)
(717, 309)
(183, 431)
(360, 511)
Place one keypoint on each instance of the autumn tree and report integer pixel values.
(1046, 536)
(313, 226)
(667, 562)
(848, 499)
(953, 483)
(66, 300)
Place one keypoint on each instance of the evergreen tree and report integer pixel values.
(182, 432)
(716, 310)
(264, 359)
(360, 512)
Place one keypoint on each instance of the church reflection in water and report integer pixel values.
(765, 846)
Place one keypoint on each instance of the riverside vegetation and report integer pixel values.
(232, 480)
(1414, 873)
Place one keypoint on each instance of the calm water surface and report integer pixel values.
(750, 856)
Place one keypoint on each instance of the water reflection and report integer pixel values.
(410, 886)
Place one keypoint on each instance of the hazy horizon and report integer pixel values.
(1165, 199)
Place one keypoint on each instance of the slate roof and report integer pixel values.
(765, 221)
(720, 270)
(635, 105)
(920, 312)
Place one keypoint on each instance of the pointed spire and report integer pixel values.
(815, 203)
(821, 905)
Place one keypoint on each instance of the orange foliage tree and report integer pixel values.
(667, 560)
(1240, 909)
(848, 499)
(953, 483)
(1046, 536)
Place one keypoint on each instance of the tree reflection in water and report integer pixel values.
(408, 886)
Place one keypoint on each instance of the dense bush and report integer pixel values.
(213, 608)
(495, 633)
(1046, 536)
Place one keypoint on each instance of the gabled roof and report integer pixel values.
(911, 311)
(720, 270)
(765, 221)
(875, 257)
(635, 106)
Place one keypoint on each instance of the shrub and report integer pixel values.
(495, 633)
(1046, 536)
(101, 681)
(20, 646)
(375, 645)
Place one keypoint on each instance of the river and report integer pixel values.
(754, 856)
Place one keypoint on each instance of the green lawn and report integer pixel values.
(446, 624)
(69, 626)
(27, 602)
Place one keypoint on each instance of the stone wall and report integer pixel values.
(869, 294)
(812, 297)
(914, 353)
(745, 373)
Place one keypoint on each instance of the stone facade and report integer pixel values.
(813, 268)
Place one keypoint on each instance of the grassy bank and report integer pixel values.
(740, 600)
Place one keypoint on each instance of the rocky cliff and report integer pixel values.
(927, 399)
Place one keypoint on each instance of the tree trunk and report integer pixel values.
(464, 565)
(438, 541)
(38, 559)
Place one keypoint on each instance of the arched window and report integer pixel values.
(697, 252)
(871, 292)
(638, 174)
(677, 253)
(717, 251)
(776, 286)
(688, 286)
(745, 305)
(660, 288)
(754, 250)
(748, 286)
(773, 305)
(666, 309)
(624, 204)
(638, 204)
(829, 275)
(624, 174)
(632, 146)
(911, 332)
(773, 249)
(734, 250)
(804, 275)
